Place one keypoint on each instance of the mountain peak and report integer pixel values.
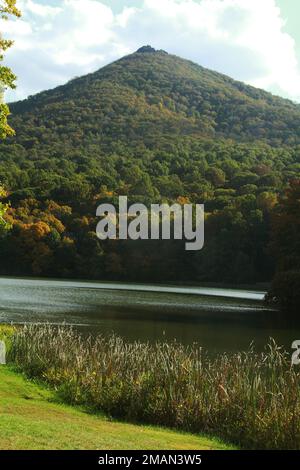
(148, 49)
(151, 93)
(145, 49)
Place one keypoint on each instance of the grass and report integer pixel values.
(32, 418)
(249, 398)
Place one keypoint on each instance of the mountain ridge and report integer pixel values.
(195, 100)
(143, 50)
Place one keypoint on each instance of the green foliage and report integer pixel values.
(7, 78)
(6, 334)
(285, 246)
(4, 225)
(156, 128)
(285, 291)
(5, 129)
(147, 99)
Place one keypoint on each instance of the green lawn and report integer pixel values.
(32, 418)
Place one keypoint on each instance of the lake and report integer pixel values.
(218, 319)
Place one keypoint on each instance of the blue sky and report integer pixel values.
(256, 41)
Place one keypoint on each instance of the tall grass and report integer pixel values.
(252, 399)
(6, 333)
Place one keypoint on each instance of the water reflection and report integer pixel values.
(220, 320)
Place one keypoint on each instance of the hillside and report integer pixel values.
(150, 94)
(154, 127)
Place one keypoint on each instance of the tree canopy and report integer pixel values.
(156, 128)
(286, 249)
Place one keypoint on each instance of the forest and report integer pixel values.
(156, 128)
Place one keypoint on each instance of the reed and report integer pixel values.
(250, 398)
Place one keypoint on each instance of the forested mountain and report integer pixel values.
(154, 127)
(151, 94)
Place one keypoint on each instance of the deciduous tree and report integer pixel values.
(286, 248)
(7, 77)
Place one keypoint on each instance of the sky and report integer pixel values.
(255, 41)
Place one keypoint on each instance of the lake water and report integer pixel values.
(218, 319)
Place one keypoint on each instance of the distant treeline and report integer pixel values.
(53, 221)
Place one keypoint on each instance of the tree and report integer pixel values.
(266, 201)
(7, 78)
(285, 288)
(4, 225)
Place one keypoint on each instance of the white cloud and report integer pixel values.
(242, 38)
(39, 10)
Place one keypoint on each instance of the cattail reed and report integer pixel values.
(250, 398)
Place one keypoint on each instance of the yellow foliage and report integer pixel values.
(183, 200)
(34, 232)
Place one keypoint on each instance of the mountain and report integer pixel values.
(176, 121)
(154, 127)
(148, 95)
